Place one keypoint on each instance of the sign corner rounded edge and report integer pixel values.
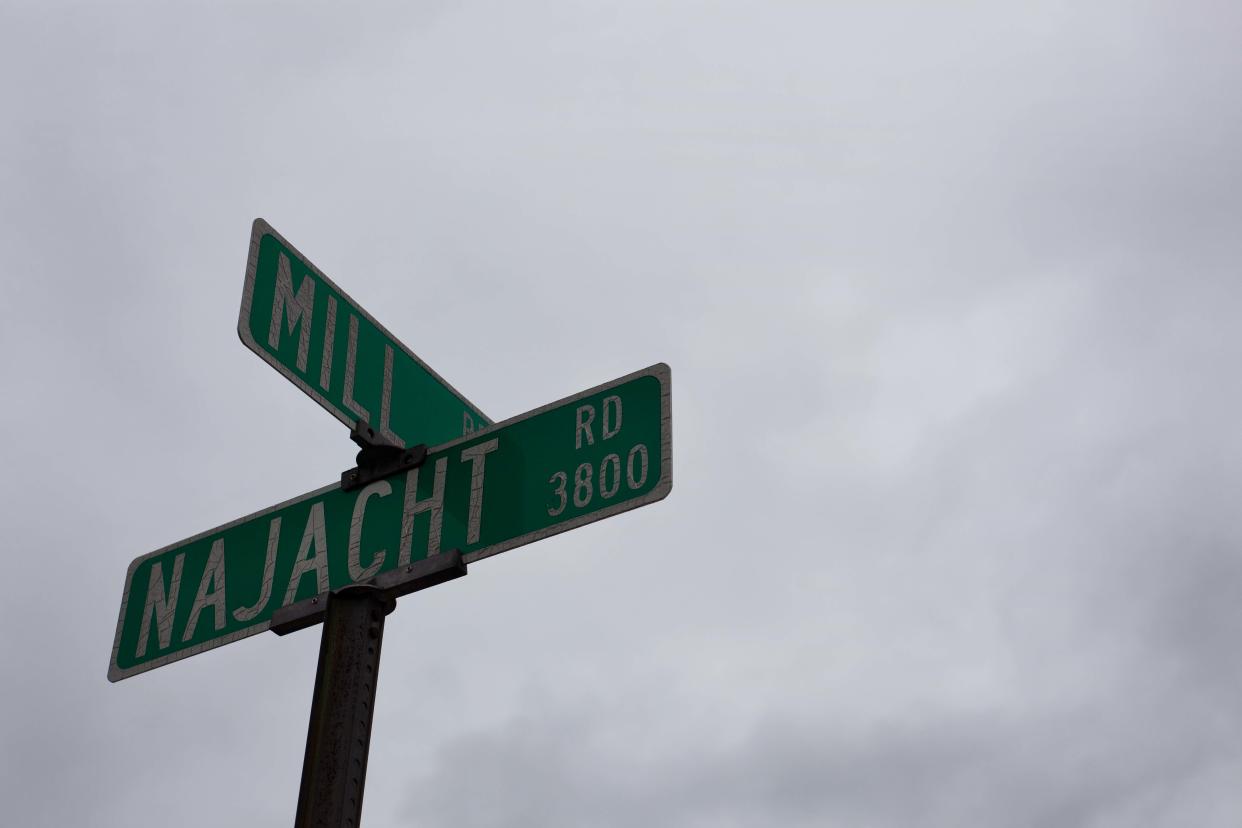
(115, 673)
(243, 332)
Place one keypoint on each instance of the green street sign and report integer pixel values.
(298, 321)
(581, 459)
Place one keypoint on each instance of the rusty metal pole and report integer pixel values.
(334, 769)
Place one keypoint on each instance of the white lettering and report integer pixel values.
(477, 455)
(553, 511)
(160, 606)
(210, 592)
(315, 535)
(269, 572)
(293, 307)
(329, 341)
(351, 364)
(584, 425)
(386, 399)
(413, 506)
(611, 431)
(635, 481)
(609, 460)
(356, 571)
(582, 485)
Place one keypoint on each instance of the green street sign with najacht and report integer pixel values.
(302, 324)
(575, 461)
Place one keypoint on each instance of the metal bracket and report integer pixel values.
(391, 585)
(379, 457)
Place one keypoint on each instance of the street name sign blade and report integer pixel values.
(572, 462)
(302, 324)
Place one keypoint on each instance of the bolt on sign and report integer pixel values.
(298, 321)
(581, 459)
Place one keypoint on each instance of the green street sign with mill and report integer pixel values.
(581, 459)
(302, 324)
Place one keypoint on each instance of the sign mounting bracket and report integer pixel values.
(389, 586)
(379, 457)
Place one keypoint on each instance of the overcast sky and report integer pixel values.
(951, 296)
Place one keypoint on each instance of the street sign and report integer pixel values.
(298, 321)
(581, 459)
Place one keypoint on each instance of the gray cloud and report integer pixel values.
(949, 295)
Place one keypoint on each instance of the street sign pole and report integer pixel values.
(338, 739)
(338, 736)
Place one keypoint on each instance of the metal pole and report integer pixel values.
(334, 769)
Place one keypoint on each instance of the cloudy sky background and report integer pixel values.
(951, 296)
